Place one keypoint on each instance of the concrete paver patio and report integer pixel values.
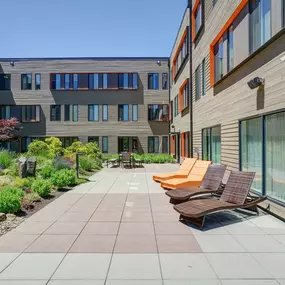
(120, 229)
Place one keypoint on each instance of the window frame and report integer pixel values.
(75, 111)
(151, 85)
(198, 6)
(123, 113)
(210, 130)
(24, 113)
(107, 113)
(94, 113)
(51, 118)
(23, 75)
(107, 141)
(137, 112)
(6, 78)
(198, 83)
(155, 139)
(38, 86)
(163, 144)
(66, 107)
(164, 80)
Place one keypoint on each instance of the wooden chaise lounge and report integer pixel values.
(183, 171)
(211, 183)
(235, 196)
(194, 179)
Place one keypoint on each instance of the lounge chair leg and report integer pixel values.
(253, 209)
(195, 221)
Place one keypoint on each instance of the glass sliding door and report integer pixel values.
(206, 144)
(251, 150)
(275, 156)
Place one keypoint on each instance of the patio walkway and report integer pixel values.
(120, 229)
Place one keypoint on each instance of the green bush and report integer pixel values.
(10, 199)
(42, 187)
(6, 159)
(155, 158)
(76, 146)
(37, 147)
(89, 163)
(63, 177)
(54, 145)
(13, 169)
(47, 171)
(61, 163)
(23, 183)
(93, 149)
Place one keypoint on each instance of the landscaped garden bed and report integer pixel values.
(55, 174)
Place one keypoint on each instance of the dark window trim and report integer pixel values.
(123, 113)
(65, 107)
(10, 81)
(51, 113)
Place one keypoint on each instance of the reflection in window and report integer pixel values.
(27, 81)
(93, 112)
(158, 112)
(37, 81)
(153, 144)
(30, 113)
(230, 49)
(164, 80)
(153, 81)
(104, 144)
(55, 112)
(105, 112)
(74, 113)
(66, 112)
(219, 56)
(135, 112)
(123, 112)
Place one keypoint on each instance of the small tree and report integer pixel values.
(9, 129)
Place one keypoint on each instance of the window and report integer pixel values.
(219, 56)
(93, 113)
(158, 112)
(5, 81)
(164, 81)
(230, 49)
(211, 144)
(26, 83)
(135, 81)
(259, 22)
(66, 112)
(67, 141)
(75, 113)
(67, 81)
(203, 78)
(75, 81)
(93, 139)
(37, 81)
(184, 95)
(55, 112)
(198, 18)
(123, 112)
(165, 144)
(135, 112)
(171, 110)
(198, 83)
(30, 113)
(25, 143)
(104, 144)
(153, 144)
(105, 112)
(251, 150)
(153, 81)
(176, 106)
(5, 112)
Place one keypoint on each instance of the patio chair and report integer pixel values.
(126, 159)
(113, 161)
(194, 178)
(183, 171)
(211, 183)
(235, 196)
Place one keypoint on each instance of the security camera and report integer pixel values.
(255, 82)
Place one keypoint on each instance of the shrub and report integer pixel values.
(38, 148)
(61, 163)
(13, 169)
(10, 199)
(76, 146)
(42, 187)
(29, 200)
(23, 183)
(5, 180)
(89, 163)
(47, 171)
(93, 149)
(6, 158)
(63, 177)
(54, 145)
(155, 158)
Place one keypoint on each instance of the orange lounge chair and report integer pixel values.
(183, 171)
(194, 179)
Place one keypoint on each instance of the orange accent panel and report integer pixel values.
(173, 144)
(194, 10)
(220, 34)
(182, 144)
(177, 52)
(180, 98)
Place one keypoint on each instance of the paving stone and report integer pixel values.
(6, 259)
(130, 228)
(101, 228)
(65, 228)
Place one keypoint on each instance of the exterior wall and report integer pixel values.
(83, 128)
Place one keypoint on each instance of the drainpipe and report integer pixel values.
(190, 76)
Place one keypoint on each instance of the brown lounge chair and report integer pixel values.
(194, 179)
(183, 171)
(211, 183)
(235, 196)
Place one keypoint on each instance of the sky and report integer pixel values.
(89, 28)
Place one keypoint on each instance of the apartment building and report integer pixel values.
(121, 103)
(237, 89)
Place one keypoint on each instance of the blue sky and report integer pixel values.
(66, 28)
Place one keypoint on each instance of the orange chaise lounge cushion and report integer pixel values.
(183, 171)
(194, 178)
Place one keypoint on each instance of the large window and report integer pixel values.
(198, 83)
(31, 113)
(123, 112)
(265, 135)
(104, 144)
(5, 81)
(135, 112)
(230, 48)
(74, 113)
(165, 144)
(93, 112)
(164, 80)
(55, 112)
(211, 144)
(158, 112)
(260, 23)
(93, 81)
(37, 81)
(66, 112)
(93, 139)
(153, 144)
(251, 150)
(105, 112)
(5, 112)
(153, 81)
(26, 81)
(219, 57)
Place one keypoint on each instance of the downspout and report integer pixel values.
(169, 111)
(190, 76)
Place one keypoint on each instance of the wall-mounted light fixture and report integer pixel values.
(12, 63)
(158, 62)
(255, 82)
